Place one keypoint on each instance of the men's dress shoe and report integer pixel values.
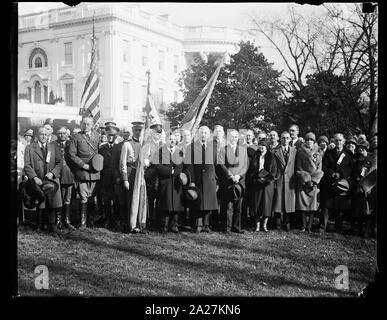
(135, 230)
(303, 230)
(288, 227)
(198, 230)
(265, 229)
(227, 231)
(175, 230)
(207, 229)
(239, 231)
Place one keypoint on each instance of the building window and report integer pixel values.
(38, 63)
(125, 51)
(29, 94)
(35, 52)
(69, 94)
(145, 56)
(161, 60)
(175, 64)
(125, 95)
(175, 96)
(38, 92)
(45, 92)
(68, 53)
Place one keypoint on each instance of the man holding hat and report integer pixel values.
(169, 167)
(107, 177)
(337, 166)
(83, 148)
(233, 165)
(285, 191)
(42, 165)
(200, 162)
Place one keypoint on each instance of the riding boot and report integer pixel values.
(278, 221)
(325, 217)
(303, 215)
(83, 215)
(91, 213)
(39, 213)
(108, 214)
(52, 221)
(66, 213)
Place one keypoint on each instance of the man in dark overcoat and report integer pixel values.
(200, 163)
(44, 160)
(66, 177)
(83, 147)
(233, 164)
(169, 192)
(337, 164)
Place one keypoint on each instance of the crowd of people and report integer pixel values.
(245, 180)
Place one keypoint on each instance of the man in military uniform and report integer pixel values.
(125, 170)
(147, 153)
(107, 177)
(66, 179)
(82, 149)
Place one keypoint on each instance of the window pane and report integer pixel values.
(38, 62)
(69, 94)
(38, 92)
(68, 53)
(45, 94)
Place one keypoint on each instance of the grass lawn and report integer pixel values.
(99, 262)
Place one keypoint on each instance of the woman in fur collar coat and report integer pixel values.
(309, 173)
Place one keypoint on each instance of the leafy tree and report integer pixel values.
(247, 93)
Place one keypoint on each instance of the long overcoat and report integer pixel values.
(203, 174)
(107, 174)
(169, 193)
(286, 181)
(36, 165)
(308, 168)
(261, 195)
(81, 150)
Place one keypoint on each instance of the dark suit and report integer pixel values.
(36, 165)
(66, 176)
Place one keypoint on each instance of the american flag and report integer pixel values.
(91, 92)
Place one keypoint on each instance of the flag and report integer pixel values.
(192, 119)
(91, 92)
(139, 206)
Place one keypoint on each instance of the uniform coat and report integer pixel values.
(35, 165)
(330, 166)
(81, 150)
(261, 195)
(308, 168)
(169, 193)
(286, 181)
(203, 174)
(66, 175)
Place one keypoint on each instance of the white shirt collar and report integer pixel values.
(204, 143)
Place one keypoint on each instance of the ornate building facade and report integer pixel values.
(54, 51)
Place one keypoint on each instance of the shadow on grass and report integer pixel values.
(244, 278)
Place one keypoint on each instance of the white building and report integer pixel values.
(54, 56)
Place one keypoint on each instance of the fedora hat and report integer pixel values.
(192, 196)
(97, 162)
(341, 187)
(49, 186)
(236, 191)
(184, 179)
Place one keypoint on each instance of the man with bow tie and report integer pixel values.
(285, 192)
(337, 164)
(109, 197)
(66, 178)
(44, 160)
(83, 147)
(233, 165)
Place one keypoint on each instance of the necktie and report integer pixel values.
(203, 153)
(286, 152)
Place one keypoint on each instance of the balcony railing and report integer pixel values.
(36, 110)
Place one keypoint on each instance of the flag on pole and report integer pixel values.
(91, 92)
(139, 206)
(192, 119)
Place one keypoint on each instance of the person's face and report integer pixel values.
(62, 135)
(362, 137)
(172, 141)
(28, 138)
(255, 142)
(204, 133)
(234, 136)
(87, 124)
(322, 144)
(241, 138)
(126, 135)
(339, 141)
(48, 128)
(309, 143)
(261, 136)
(351, 147)
(178, 136)
(104, 138)
(262, 149)
(218, 133)
(111, 136)
(249, 136)
(187, 136)
(285, 139)
(42, 135)
(362, 151)
(136, 132)
(293, 132)
(374, 142)
(273, 137)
